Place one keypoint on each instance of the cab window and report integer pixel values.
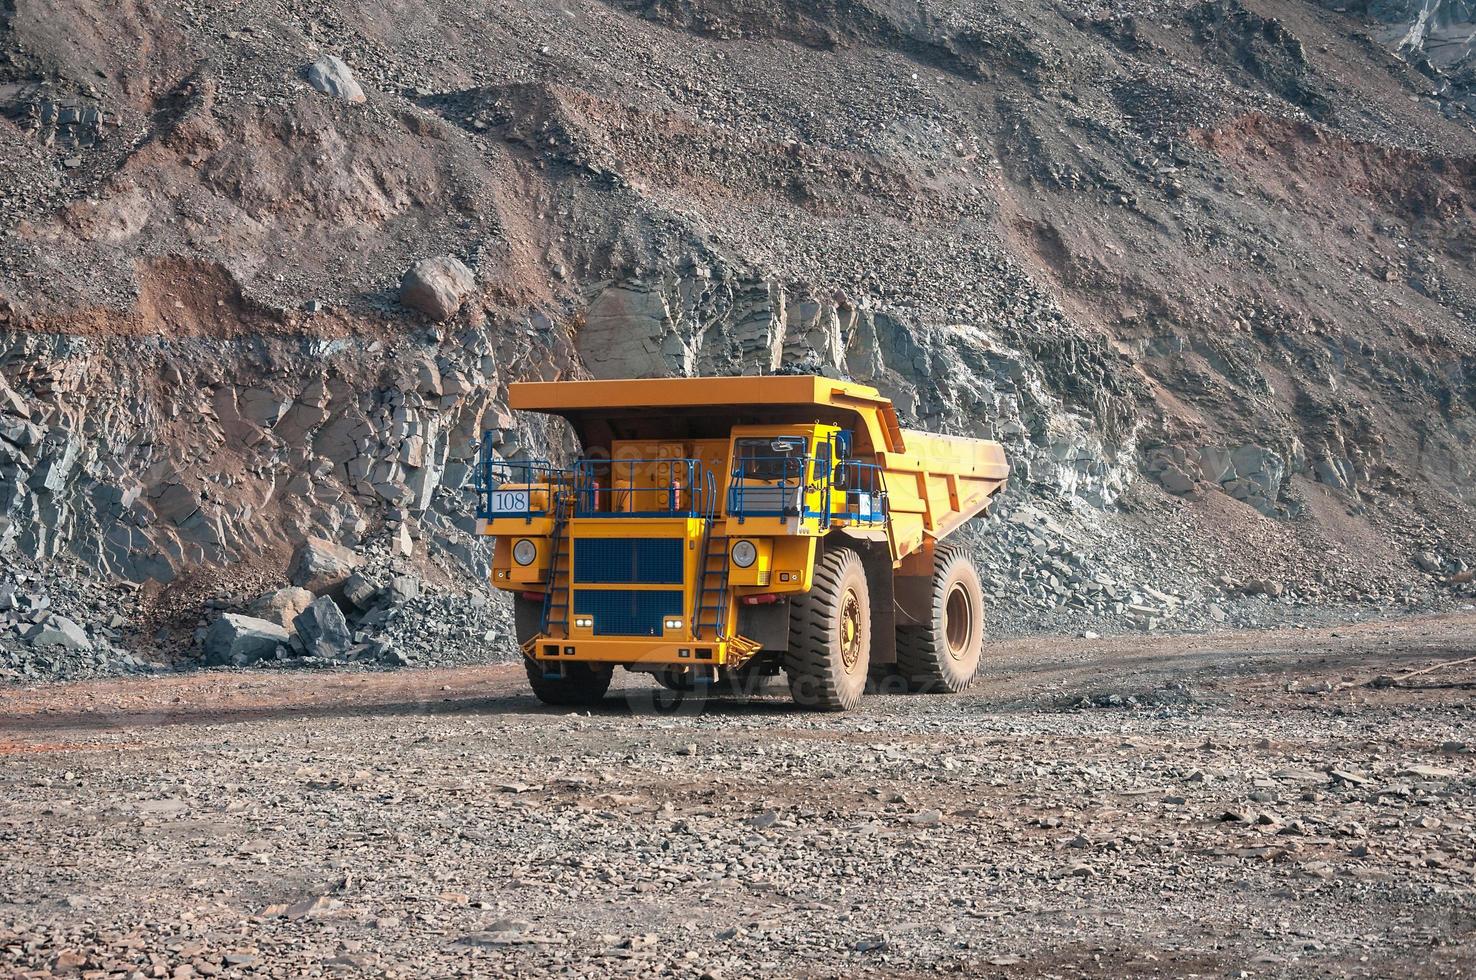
(771, 458)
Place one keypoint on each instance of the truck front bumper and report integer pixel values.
(628, 650)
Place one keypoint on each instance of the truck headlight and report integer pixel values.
(524, 552)
(744, 554)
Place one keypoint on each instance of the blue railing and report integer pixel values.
(643, 488)
(768, 486)
(860, 495)
(517, 488)
(777, 486)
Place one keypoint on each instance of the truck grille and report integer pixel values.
(627, 612)
(628, 561)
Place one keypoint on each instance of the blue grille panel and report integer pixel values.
(628, 561)
(627, 612)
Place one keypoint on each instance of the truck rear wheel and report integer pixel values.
(943, 655)
(830, 635)
(579, 684)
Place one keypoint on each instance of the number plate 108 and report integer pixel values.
(509, 502)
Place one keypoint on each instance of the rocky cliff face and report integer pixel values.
(1204, 267)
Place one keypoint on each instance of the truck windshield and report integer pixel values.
(774, 458)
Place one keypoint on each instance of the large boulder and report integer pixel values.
(360, 590)
(321, 566)
(281, 606)
(235, 641)
(58, 631)
(323, 630)
(331, 76)
(437, 287)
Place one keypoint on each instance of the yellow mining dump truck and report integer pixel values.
(720, 530)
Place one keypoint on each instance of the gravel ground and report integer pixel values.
(1260, 804)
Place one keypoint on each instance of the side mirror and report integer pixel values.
(842, 479)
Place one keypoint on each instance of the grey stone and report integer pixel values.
(626, 330)
(1428, 561)
(11, 403)
(281, 606)
(331, 76)
(360, 590)
(176, 503)
(428, 377)
(321, 565)
(437, 287)
(1215, 464)
(19, 432)
(1261, 467)
(404, 587)
(30, 602)
(1336, 473)
(323, 630)
(1175, 480)
(58, 631)
(58, 460)
(235, 640)
(261, 405)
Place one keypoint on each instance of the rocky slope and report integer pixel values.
(1205, 267)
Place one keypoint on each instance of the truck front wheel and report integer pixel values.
(578, 684)
(943, 654)
(830, 635)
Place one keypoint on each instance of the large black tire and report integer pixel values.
(580, 684)
(943, 655)
(830, 635)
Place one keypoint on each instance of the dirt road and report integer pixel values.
(1253, 804)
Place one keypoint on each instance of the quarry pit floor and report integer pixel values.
(1278, 803)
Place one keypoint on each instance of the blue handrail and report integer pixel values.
(767, 486)
(775, 486)
(510, 487)
(865, 492)
(643, 488)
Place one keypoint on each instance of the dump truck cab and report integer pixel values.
(685, 540)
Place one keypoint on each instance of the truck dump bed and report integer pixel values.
(933, 483)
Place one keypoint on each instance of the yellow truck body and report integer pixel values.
(685, 539)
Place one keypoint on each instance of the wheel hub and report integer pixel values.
(850, 630)
(958, 621)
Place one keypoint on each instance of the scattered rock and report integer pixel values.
(235, 641)
(360, 590)
(323, 630)
(60, 632)
(321, 566)
(437, 287)
(281, 606)
(331, 76)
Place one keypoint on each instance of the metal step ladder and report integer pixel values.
(711, 612)
(556, 598)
